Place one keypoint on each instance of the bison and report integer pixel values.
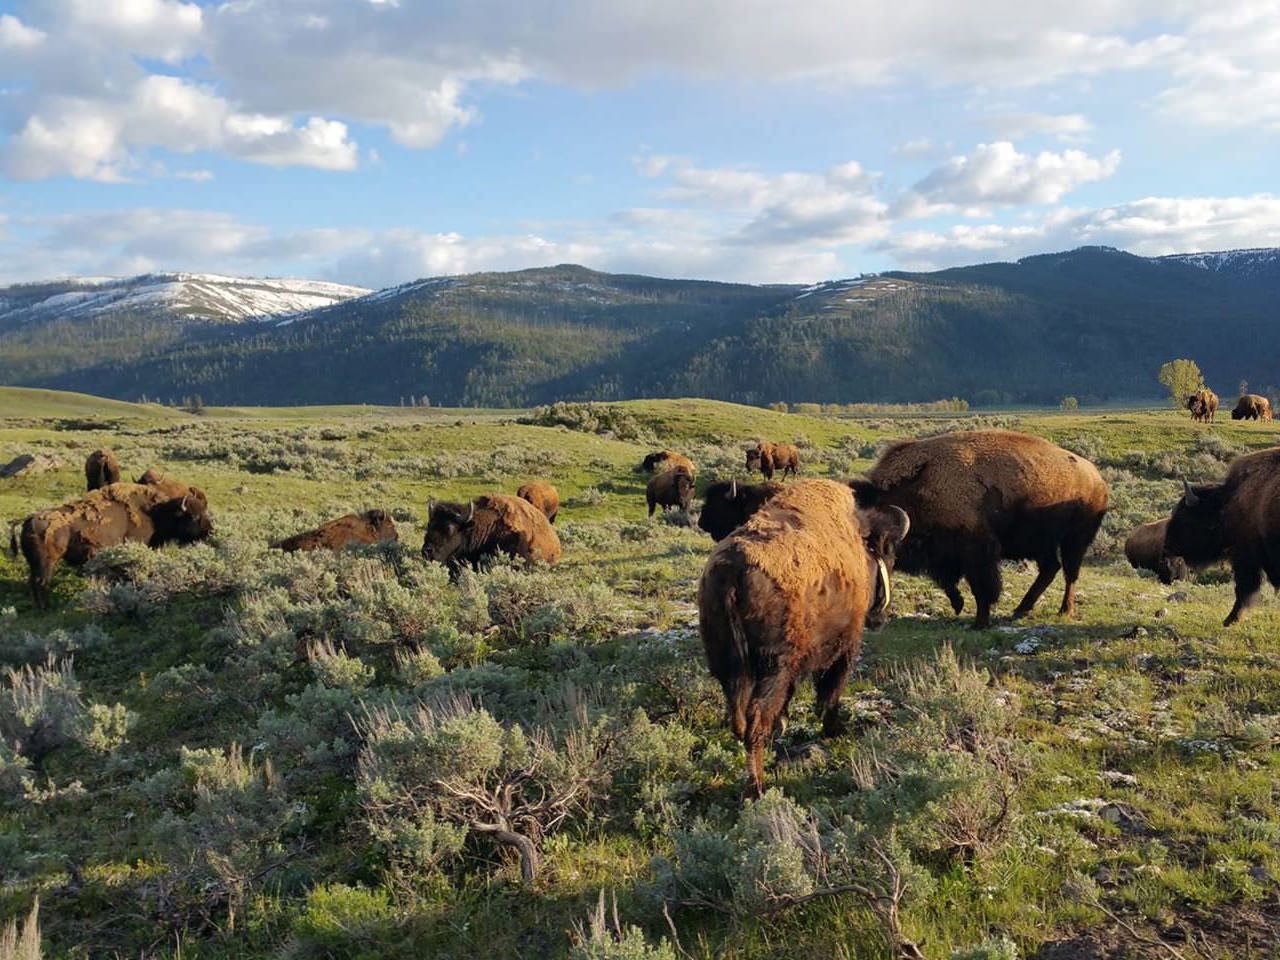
(172, 486)
(543, 496)
(769, 457)
(976, 498)
(1203, 405)
(787, 595)
(1144, 549)
(667, 460)
(464, 534)
(671, 488)
(728, 504)
(110, 515)
(372, 526)
(1238, 519)
(1252, 407)
(100, 469)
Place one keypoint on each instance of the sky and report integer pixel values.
(374, 142)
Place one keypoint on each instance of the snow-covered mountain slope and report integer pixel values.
(202, 296)
(1253, 261)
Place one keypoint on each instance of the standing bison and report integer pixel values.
(100, 469)
(465, 534)
(1203, 405)
(111, 515)
(787, 595)
(980, 497)
(671, 488)
(372, 526)
(667, 460)
(543, 496)
(770, 457)
(1144, 549)
(1252, 407)
(728, 504)
(1238, 519)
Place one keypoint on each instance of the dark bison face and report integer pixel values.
(684, 490)
(754, 458)
(722, 510)
(883, 529)
(181, 520)
(1169, 569)
(447, 526)
(1195, 535)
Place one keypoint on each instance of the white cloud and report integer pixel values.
(1064, 126)
(164, 29)
(918, 147)
(15, 35)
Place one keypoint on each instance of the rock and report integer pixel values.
(29, 463)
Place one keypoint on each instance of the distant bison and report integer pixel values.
(543, 496)
(1203, 405)
(1144, 549)
(1238, 519)
(787, 595)
(671, 488)
(976, 498)
(667, 460)
(770, 457)
(1252, 407)
(101, 468)
(728, 504)
(464, 534)
(372, 526)
(111, 515)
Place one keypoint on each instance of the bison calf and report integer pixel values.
(728, 504)
(543, 496)
(465, 534)
(1144, 549)
(100, 469)
(787, 595)
(372, 526)
(770, 457)
(671, 488)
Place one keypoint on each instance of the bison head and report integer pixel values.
(758, 456)
(722, 510)
(447, 526)
(883, 528)
(684, 488)
(383, 526)
(181, 520)
(1195, 534)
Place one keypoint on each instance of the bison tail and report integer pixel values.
(740, 679)
(13, 537)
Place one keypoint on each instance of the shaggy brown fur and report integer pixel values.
(543, 496)
(787, 595)
(1144, 549)
(1203, 405)
(727, 505)
(1239, 520)
(113, 514)
(976, 498)
(770, 457)
(667, 460)
(464, 534)
(101, 468)
(372, 526)
(1252, 407)
(172, 486)
(671, 488)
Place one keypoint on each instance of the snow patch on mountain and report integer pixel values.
(1246, 261)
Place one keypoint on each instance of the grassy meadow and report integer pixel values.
(224, 751)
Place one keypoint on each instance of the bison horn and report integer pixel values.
(733, 489)
(1188, 495)
(885, 593)
(185, 508)
(471, 512)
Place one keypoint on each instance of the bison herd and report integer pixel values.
(1203, 405)
(800, 569)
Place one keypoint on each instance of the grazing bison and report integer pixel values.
(1252, 407)
(671, 488)
(464, 534)
(976, 498)
(113, 514)
(667, 460)
(787, 595)
(1237, 519)
(728, 504)
(769, 457)
(1203, 405)
(543, 496)
(1144, 549)
(372, 526)
(101, 468)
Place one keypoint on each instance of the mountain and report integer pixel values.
(1095, 322)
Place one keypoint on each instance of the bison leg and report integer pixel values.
(952, 590)
(828, 687)
(1048, 567)
(651, 505)
(1248, 583)
(768, 701)
(982, 573)
(1074, 548)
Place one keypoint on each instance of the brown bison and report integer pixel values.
(728, 504)
(1238, 519)
(769, 457)
(1144, 549)
(372, 526)
(787, 595)
(101, 468)
(671, 488)
(110, 515)
(1252, 407)
(1203, 405)
(667, 460)
(172, 486)
(543, 496)
(464, 534)
(976, 498)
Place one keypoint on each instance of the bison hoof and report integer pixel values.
(1020, 613)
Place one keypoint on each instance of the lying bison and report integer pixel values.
(976, 498)
(667, 460)
(1238, 519)
(172, 486)
(464, 534)
(728, 504)
(1144, 549)
(671, 488)
(1203, 405)
(770, 457)
(543, 496)
(787, 595)
(372, 526)
(101, 468)
(111, 515)
(1252, 407)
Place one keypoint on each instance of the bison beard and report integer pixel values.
(787, 595)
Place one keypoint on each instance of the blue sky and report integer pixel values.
(375, 141)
